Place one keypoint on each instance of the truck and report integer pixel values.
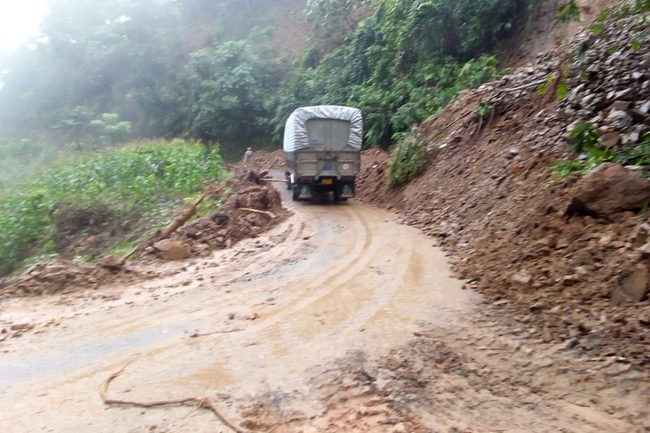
(322, 146)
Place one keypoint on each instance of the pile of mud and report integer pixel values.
(431, 385)
(253, 207)
(372, 177)
(265, 160)
(568, 257)
(63, 276)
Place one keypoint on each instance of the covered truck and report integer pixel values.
(322, 145)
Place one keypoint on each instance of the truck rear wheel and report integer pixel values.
(296, 193)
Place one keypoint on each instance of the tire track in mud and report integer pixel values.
(337, 278)
(332, 308)
(341, 288)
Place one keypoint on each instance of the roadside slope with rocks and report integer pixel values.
(568, 257)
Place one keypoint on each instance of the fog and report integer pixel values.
(20, 20)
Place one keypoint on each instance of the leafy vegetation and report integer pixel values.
(568, 11)
(484, 109)
(408, 160)
(585, 140)
(134, 188)
(409, 59)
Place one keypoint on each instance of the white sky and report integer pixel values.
(20, 19)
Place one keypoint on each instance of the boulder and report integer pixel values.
(631, 288)
(172, 250)
(570, 280)
(610, 139)
(608, 189)
(619, 119)
(522, 280)
(112, 262)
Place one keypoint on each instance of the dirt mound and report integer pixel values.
(372, 177)
(62, 276)
(254, 207)
(264, 159)
(490, 199)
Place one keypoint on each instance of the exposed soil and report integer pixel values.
(489, 198)
(267, 160)
(542, 30)
(291, 31)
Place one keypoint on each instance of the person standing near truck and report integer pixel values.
(248, 156)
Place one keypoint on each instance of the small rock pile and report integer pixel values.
(372, 178)
(263, 159)
(568, 258)
(610, 81)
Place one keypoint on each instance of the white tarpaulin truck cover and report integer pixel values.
(295, 130)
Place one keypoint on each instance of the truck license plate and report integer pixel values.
(326, 182)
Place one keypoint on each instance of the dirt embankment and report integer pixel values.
(253, 207)
(567, 257)
(268, 160)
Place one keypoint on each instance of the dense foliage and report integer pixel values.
(214, 69)
(133, 188)
(408, 160)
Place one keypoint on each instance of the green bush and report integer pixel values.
(568, 11)
(408, 160)
(137, 185)
(584, 138)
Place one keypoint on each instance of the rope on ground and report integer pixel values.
(200, 402)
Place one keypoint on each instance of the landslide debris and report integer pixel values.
(569, 257)
(264, 159)
(253, 207)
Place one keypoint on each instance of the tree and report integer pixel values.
(227, 87)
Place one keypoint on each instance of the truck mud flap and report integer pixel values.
(347, 191)
(301, 192)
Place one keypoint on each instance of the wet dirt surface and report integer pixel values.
(339, 319)
(331, 279)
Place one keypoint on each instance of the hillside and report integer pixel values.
(565, 254)
(147, 286)
(230, 73)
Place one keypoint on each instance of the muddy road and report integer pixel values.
(339, 319)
